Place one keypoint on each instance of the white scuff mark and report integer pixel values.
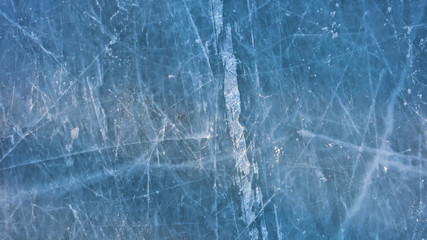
(69, 147)
(75, 133)
(243, 166)
(69, 162)
(278, 153)
(334, 35)
(76, 217)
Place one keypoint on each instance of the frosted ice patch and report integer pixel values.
(75, 133)
(69, 162)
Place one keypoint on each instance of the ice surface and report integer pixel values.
(267, 119)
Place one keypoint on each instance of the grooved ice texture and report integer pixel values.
(213, 119)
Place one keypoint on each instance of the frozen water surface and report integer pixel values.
(213, 119)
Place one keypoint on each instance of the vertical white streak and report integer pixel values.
(216, 11)
(217, 15)
(232, 103)
(279, 233)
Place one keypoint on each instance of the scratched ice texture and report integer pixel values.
(213, 119)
